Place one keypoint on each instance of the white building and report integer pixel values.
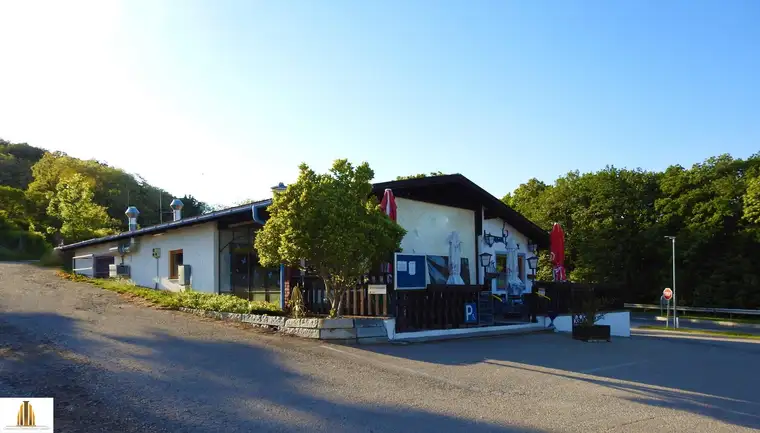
(214, 252)
(431, 208)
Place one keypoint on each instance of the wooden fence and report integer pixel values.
(437, 307)
(356, 301)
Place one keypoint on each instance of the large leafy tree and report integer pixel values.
(420, 175)
(333, 222)
(16, 161)
(616, 219)
(752, 201)
(80, 217)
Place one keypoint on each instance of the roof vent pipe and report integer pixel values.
(177, 206)
(132, 214)
(280, 187)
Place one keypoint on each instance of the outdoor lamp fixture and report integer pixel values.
(533, 265)
(490, 239)
(532, 247)
(485, 261)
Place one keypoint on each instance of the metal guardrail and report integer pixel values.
(728, 311)
(82, 271)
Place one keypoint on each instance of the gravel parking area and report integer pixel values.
(114, 365)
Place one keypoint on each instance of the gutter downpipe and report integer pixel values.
(255, 211)
(257, 219)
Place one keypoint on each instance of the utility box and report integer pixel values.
(183, 275)
(118, 271)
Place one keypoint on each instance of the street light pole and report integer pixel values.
(675, 316)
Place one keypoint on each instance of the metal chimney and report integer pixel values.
(280, 187)
(132, 214)
(177, 206)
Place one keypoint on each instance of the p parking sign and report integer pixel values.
(470, 313)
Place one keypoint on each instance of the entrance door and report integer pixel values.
(101, 266)
(241, 274)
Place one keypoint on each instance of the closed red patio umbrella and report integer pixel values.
(388, 205)
(557, 249)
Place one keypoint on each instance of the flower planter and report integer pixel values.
(592, 333)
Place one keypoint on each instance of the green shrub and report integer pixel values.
(52, 259)
(187, 299)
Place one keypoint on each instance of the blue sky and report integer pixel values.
(222, 99)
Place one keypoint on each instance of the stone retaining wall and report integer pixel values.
(346, 331)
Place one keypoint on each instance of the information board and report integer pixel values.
(410, 271)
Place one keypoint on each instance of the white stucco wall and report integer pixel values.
(494, 226)
(199, 245)
(429, 225)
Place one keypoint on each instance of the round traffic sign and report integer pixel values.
(667, 294)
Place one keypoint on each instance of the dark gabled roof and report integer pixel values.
(160, 228)
(448, 190)
(457, 191)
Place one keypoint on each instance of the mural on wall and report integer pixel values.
(438, 269)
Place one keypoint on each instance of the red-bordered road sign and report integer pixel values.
(667, 294)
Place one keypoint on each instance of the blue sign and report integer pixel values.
(470, 313)
(410, 271)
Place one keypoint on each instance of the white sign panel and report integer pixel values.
(26, 414)
(377, 289)
(402, 266)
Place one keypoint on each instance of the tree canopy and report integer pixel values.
(333, 222)
(37, 188)
(420, 175)
(616, 221)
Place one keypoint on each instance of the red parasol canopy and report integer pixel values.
(388, 204)
(557, 249)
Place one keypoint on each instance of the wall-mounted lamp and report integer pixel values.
(485, 261)
(533, 265)
(490, 239)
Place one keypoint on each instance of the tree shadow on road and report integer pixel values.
(196, 384)
(713, 379)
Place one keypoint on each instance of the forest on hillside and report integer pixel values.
(49, 197)
(616, 221)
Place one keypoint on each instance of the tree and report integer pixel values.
(421, 175)
(752, 201)
(333, 222)
(13, 203)
(80, 217)
(16, 161)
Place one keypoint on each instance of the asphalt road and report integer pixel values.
(115, 365)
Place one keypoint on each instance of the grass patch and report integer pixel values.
(704, 332)
(713, 318)
(750, 320)
(186, 299)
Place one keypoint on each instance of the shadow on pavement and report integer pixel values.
(710, 378)
(186, 385)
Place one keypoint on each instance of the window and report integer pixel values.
(502, 270)
(521, 267)
(175, 261)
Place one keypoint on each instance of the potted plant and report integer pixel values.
(585, 319)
